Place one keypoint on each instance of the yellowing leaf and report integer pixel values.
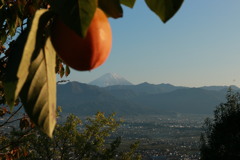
(20, 57)
(39, 92)
(165, 9)
(33, 76)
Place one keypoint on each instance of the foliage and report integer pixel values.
(28, 64)
(71, 140)
(31, 57)
(15, 128)
(221, 137)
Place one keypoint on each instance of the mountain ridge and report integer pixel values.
(144, 98)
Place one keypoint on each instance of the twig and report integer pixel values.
(7, 121)
(27, 133)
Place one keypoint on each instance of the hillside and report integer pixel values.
(84, 99)
(145, 98)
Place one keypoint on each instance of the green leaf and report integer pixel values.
(2, 15)
(16, 74)
(87, 9)
(76, 14)
(128, 3)
(111, 8)
(165, 9)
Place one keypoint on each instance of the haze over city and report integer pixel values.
(199, 46)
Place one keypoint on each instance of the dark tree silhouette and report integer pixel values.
(221, 137)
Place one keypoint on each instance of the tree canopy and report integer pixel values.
(221, 137)
(72, 139)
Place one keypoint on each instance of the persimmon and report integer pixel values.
(84, 53)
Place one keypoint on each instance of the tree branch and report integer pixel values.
(8, 120)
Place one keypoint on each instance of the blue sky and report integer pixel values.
(199, 46)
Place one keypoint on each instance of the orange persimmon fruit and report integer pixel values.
(84, 53)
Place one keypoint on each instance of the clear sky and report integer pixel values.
(199, 46)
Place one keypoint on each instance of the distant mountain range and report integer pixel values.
(144, 98)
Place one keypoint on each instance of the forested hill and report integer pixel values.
(145, 98)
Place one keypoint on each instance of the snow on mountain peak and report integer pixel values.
(110, 79)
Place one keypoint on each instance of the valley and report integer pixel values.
(166, 119)
(164, 137)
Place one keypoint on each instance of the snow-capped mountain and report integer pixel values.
(110, 79)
